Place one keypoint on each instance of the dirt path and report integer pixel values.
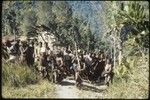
(67, 89)
(45, 89)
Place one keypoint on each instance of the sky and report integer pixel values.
(88, 10)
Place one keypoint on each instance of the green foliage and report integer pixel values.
(136, 85)
(18, 75)
(44, 12)
(29, 21)
(55, 15)
(136, 17)
(62, 11)
(39, 90)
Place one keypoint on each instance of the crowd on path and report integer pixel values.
(61, 61)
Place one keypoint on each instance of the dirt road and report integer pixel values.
(67, 89)
(45, 89)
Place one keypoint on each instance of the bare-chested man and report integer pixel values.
(23, 50)
(108, 71)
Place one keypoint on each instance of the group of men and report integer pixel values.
(66, 62)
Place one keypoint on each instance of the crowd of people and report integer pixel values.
(61, 61)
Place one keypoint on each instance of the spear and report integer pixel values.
(79, 67)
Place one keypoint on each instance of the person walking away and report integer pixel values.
(30, 54)
(23, 50)
(107, 72)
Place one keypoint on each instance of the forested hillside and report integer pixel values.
(120, 28)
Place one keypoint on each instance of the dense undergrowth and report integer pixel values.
(134, 84)
(18, 75)
(20, 81)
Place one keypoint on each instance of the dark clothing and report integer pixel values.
(24, 55)
(17, 48)
(29, 56)
(67, 61)
(99, 69)
(44, 61)
(5, 52)
(13, 50)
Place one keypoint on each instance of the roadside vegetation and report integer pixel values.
(123, 34)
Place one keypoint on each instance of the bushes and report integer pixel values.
(18, 75)
(136, 83)
(40, 90)
(18, 81)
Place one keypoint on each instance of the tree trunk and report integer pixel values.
(111, 53)
(120, 57)
(114, 53)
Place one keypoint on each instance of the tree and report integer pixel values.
(29, 21)
(44, 13)
(62, 11)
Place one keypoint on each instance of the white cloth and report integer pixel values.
(107, 67)
(49, 51)
(12, 57)
(71, 55)
(88, 59)
(65, 53)
(43, 49)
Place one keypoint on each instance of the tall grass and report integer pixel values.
(20, 81)
(18, 75)
(40, 90)
(136, 85)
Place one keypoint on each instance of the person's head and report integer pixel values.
(76, 61)
(91, 55)
(36, 44)
(66, 47)
(106, 56)
(100, 51)
(82, 56)
(18, 41)
(94, 54)
(23, 43)
(108, 61)
(35, 40)
(46, 44)
(44, 54)
(32, 43)
(4, 43)
(97, 56)
(26, 43)
(102, 56)
(59, 54)
(40, 44)
(85, 52)
(8, 43)
(69, 51)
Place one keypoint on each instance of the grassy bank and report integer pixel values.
(23, 82)
(42, 89)
(18, 75)
(20, 81)
(136, 86)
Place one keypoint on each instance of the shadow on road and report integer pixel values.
(90, 88)
(85, 87)
(66, 83)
